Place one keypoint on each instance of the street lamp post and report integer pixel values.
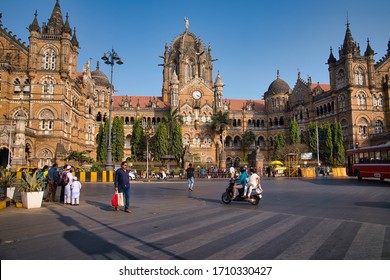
(110, 58)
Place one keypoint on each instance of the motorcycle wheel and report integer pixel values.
(226, 198)
(255, 200)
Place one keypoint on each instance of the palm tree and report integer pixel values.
(220, 123)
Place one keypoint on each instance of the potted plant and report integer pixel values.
(31, 189)
(7, 180)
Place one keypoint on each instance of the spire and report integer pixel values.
(97, 65)
(349, 45)
(56, 21)
(331, 58)
(34, 26)
(174, 79)
(74, 40)
(369, 51)
(218, 81)
(66, 28)
(277, 74)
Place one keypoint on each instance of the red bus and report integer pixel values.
(373, 161)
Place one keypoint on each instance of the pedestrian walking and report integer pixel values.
(122, 185)
(75, 188)
(190, 177)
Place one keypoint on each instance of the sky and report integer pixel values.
(251, 39)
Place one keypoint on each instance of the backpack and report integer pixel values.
(64, 179)
(190, 172)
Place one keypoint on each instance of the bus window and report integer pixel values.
(378, 157)
(385, 156)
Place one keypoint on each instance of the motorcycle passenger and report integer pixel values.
(241, 182)
(253, 182)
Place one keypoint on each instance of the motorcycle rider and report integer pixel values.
(253, 182)
(241, 182)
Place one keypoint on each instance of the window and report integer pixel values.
(361, 100)
(17, 87)
(49, 60)
(363, 127)
(46, 120)
(48, 87)
(359, 76)
(26, 87)
(378, 126)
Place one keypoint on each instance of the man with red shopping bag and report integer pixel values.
(122, 187)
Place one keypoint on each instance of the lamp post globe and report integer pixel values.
(110, 58)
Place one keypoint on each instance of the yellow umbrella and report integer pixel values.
(276, 162)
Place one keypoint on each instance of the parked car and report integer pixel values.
(132, 175)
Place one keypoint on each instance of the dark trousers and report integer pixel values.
(51, 195)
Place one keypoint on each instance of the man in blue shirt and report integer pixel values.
(52, 178)
(122, 185)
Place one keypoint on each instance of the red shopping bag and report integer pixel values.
(115, 200)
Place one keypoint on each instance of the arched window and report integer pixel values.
(359, 76)
(342, 103)
(46, 120)
(48, 87)
(361, 100)
(261, 142)
(26, 87)
(228, 141)
(49, 59)
(363, 127)
(45, 156)
(237, 142)
(17, 87)
(378, 126)
(128, 142)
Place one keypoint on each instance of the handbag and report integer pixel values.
(120, 199)
(114, 200)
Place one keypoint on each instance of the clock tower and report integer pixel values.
(188, 86)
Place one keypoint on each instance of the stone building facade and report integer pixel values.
(50, 108)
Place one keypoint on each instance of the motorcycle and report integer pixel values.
(254, 197)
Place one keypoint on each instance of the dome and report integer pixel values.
(278, 86)
(100, 78)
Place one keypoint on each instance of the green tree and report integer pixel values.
(118, 139)
(101, 141)
(220, 122)
(137, 140)
(160, 142)
(279, 145)
(312, 138)
(177, 142)
(338, 146)
(326, 145)
(248, 139)
(295, 137)
(173, 121)
(80, 157)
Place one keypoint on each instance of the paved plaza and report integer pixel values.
(299, 219)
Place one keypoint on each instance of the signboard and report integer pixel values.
(306, 156)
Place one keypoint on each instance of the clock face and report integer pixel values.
(196, 94)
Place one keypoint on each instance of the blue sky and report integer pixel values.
(251, 39)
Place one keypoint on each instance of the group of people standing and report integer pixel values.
(70, 186)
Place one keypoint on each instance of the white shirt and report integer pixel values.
(254, 180)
